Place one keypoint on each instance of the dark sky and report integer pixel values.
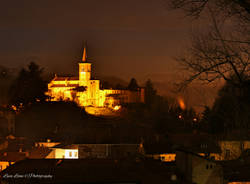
(126, 38)
(132, 38)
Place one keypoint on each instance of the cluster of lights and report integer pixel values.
(181, 117)
(14, 107)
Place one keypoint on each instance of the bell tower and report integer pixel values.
(84, 69)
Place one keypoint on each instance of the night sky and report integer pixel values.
(132, 38)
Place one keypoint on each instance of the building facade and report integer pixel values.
(94, 151)
(233, 149)
(87, 93)
(198, 169)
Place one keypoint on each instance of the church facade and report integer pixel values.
(87, 92)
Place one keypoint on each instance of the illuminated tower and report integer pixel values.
(84, 69)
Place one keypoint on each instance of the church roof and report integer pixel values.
(65, 85)
(65, 78)
(84, 55)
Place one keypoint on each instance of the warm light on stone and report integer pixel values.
(67, 89)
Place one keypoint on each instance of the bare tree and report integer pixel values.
(214, 56)
(218, 54)
(194, 8)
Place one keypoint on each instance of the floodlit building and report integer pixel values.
(86, 92)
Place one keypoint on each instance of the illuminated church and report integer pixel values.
(87, 93)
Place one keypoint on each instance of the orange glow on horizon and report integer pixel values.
(181, 104)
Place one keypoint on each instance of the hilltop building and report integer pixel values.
(86, 92)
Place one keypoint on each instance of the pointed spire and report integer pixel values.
(84, 55)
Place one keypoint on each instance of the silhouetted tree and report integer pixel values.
(133, 86)
(216, 53)
(119, 86)
(105, 85)
(210, 57)
(4, 72)
(29, 86)
(212, 122)
(49, 119)
(6, 77)
(231, 110)
(150, 93)
(239, 8)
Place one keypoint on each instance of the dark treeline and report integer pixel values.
(133, 85)
(229, 115)
(157, 117)
(39, 119)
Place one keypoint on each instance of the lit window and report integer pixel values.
(71, 154)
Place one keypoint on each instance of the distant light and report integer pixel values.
(14, 107)
(117, 107)
(180, 116)
(195, 119)
(181, 104)
(173, 177)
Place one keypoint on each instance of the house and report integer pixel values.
(160, 151)
(10, 158)
(13, 149)
(62, 151)
(91, 171)
(232, 149)
(202, 145)
(236, 171)
(198, 169)
(83, 151)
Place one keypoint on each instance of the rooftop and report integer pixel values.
(65, 78)
(88, 171)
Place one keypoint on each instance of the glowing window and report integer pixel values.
(71, 153)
